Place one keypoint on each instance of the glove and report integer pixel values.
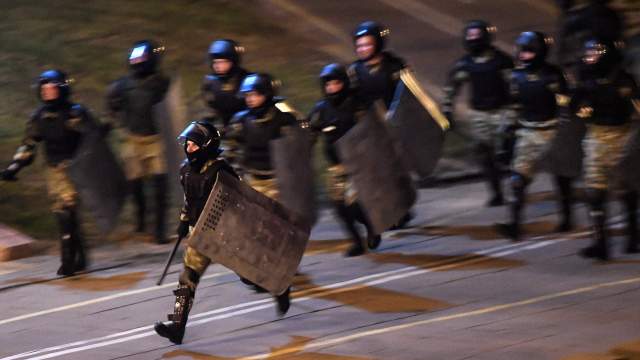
(183, 229)
(9, 174)
(449, 116)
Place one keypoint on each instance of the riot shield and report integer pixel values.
(383, 185)
(291, 157)
(99, 180)
(565, 153)
(171, 117)
(630, 163)
(417, 124)
(251, 234)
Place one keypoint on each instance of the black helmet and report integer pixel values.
(259, 82)
(535, 42)
(57, 78)
(372, 28)
(477, 36)
(225, 49)
(335, 72)
(144, 57)
(206, 136)
(599, 57)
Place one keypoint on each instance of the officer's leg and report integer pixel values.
(565, 193)
(597, 199)
(631, 205)
(491, 173)
(194, 266)
(137, 190)
(161, 193)
(348, 219)
(80, 261)
(373, 239)
(512, 229)
(67, 250)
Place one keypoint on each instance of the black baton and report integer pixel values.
(169, 260)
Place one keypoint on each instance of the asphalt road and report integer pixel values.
(448, 287)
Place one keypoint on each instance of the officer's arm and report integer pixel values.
(183, 227)
(161, 86)
(563, 99)
(233, 133)
(314, 125)
(457, 77)
(25, 153)
(115, 97)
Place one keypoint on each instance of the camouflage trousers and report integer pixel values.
(532, 145)
(604, 149)
(339, 187)
(60, 188)
(143, 156)
(486, 125)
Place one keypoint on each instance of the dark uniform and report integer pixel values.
(539, 93)
(221, 91)
(487, 70)
(197, 175)
(331, 118)
(605, 99)
(375, 77)
(60, 125)
(251, 131)
(133, 97)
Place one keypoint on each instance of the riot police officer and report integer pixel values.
(376, 73)
(198, 174)
(487, 70)
(331, 118)
(60, 125)
(605, 100)
(582, 20)
(132, 97)
(251, 131)
(220, 87)
(540, 96)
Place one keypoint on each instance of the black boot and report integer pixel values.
(161, 195)
(67, 249)
(80, 261)
(403, 222)
(493, 176)
(512, 230)
(631, 205)
(599, 248)
(373, 239)
(283, 301)
(348, 220)
(137, 190)
(566, 198)
(174, 330)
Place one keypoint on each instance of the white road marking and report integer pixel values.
(492, 309)
(257, 305)
(101, 299)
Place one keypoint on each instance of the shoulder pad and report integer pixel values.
(77, 110)
(239, 115)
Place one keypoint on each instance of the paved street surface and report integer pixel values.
(447, 287)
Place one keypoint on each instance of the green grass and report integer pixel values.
(90, 39)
